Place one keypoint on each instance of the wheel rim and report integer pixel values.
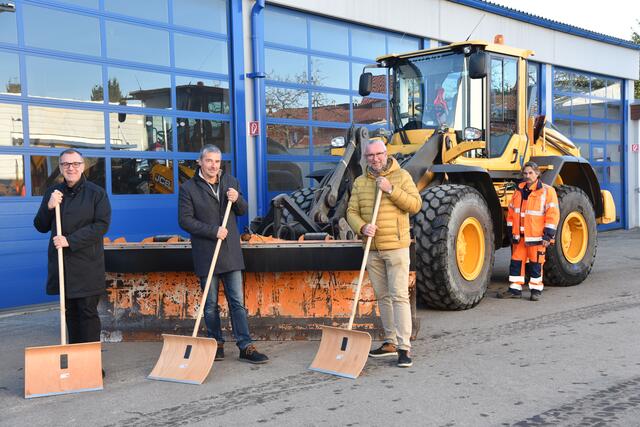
(575, 236)
(470, 248)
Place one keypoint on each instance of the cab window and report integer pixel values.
(503, 110)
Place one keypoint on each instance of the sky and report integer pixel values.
(611, 17)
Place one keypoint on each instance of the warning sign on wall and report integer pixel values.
(634, 148)
(254, 128)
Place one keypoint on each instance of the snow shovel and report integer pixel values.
(344, 352)
(64, 368)
(189, 359)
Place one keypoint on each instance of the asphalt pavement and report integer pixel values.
(571, 359)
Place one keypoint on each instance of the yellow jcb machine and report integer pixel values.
(464, 122)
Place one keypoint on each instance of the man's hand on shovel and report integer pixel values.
(369, 230)
(232, 196)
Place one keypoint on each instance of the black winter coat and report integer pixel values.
(85, 215)
(200, 214)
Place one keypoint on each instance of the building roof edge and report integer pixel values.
(546, 23)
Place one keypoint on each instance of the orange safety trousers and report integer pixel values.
(527, 260)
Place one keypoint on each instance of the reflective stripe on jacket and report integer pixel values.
(536, 217)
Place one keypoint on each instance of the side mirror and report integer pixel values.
(366, 84)
(472, 134)
(478, 65)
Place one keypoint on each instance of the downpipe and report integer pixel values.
(257, 54)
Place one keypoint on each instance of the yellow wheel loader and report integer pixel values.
(463, 125)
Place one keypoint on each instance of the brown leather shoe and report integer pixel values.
(386, 349)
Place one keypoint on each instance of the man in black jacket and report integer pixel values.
(201, 207)
(85, 215)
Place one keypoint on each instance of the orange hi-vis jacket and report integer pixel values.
(534, 215)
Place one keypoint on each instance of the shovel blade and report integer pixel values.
(184, 359)
(62, 369)
(342, 352)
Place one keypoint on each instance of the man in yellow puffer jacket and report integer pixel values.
(388, 263)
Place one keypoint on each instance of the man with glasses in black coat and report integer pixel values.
(85, 215)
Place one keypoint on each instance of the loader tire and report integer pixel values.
(454, 247)
(569, 260)
(304, 199)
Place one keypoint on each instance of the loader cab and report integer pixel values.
(473, 92)
(428, 91)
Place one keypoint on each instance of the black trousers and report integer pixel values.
(83, 322)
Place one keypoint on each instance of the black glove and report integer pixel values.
(515, 239)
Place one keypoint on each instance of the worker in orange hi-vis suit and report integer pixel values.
(532, 220)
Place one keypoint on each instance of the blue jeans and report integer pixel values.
(235, 298)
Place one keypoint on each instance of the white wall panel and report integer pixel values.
(443, 20)
(593, 56)
(411, 16)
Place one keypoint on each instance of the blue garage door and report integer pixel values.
(138, 87)
(589, 108)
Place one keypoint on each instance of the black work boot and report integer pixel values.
(510, 293)
(535, 295)
(219, 352)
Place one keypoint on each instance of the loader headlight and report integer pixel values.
(472, 133)
(337, 142)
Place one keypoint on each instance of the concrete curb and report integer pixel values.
(29, 309)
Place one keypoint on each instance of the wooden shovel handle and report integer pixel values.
(212, 267)
(367, 247)
(63, 318)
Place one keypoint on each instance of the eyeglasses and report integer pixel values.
(75, 165)
(372, 155)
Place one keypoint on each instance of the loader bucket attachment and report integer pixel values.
(62, 369)
(342, 352)
(184, 359)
